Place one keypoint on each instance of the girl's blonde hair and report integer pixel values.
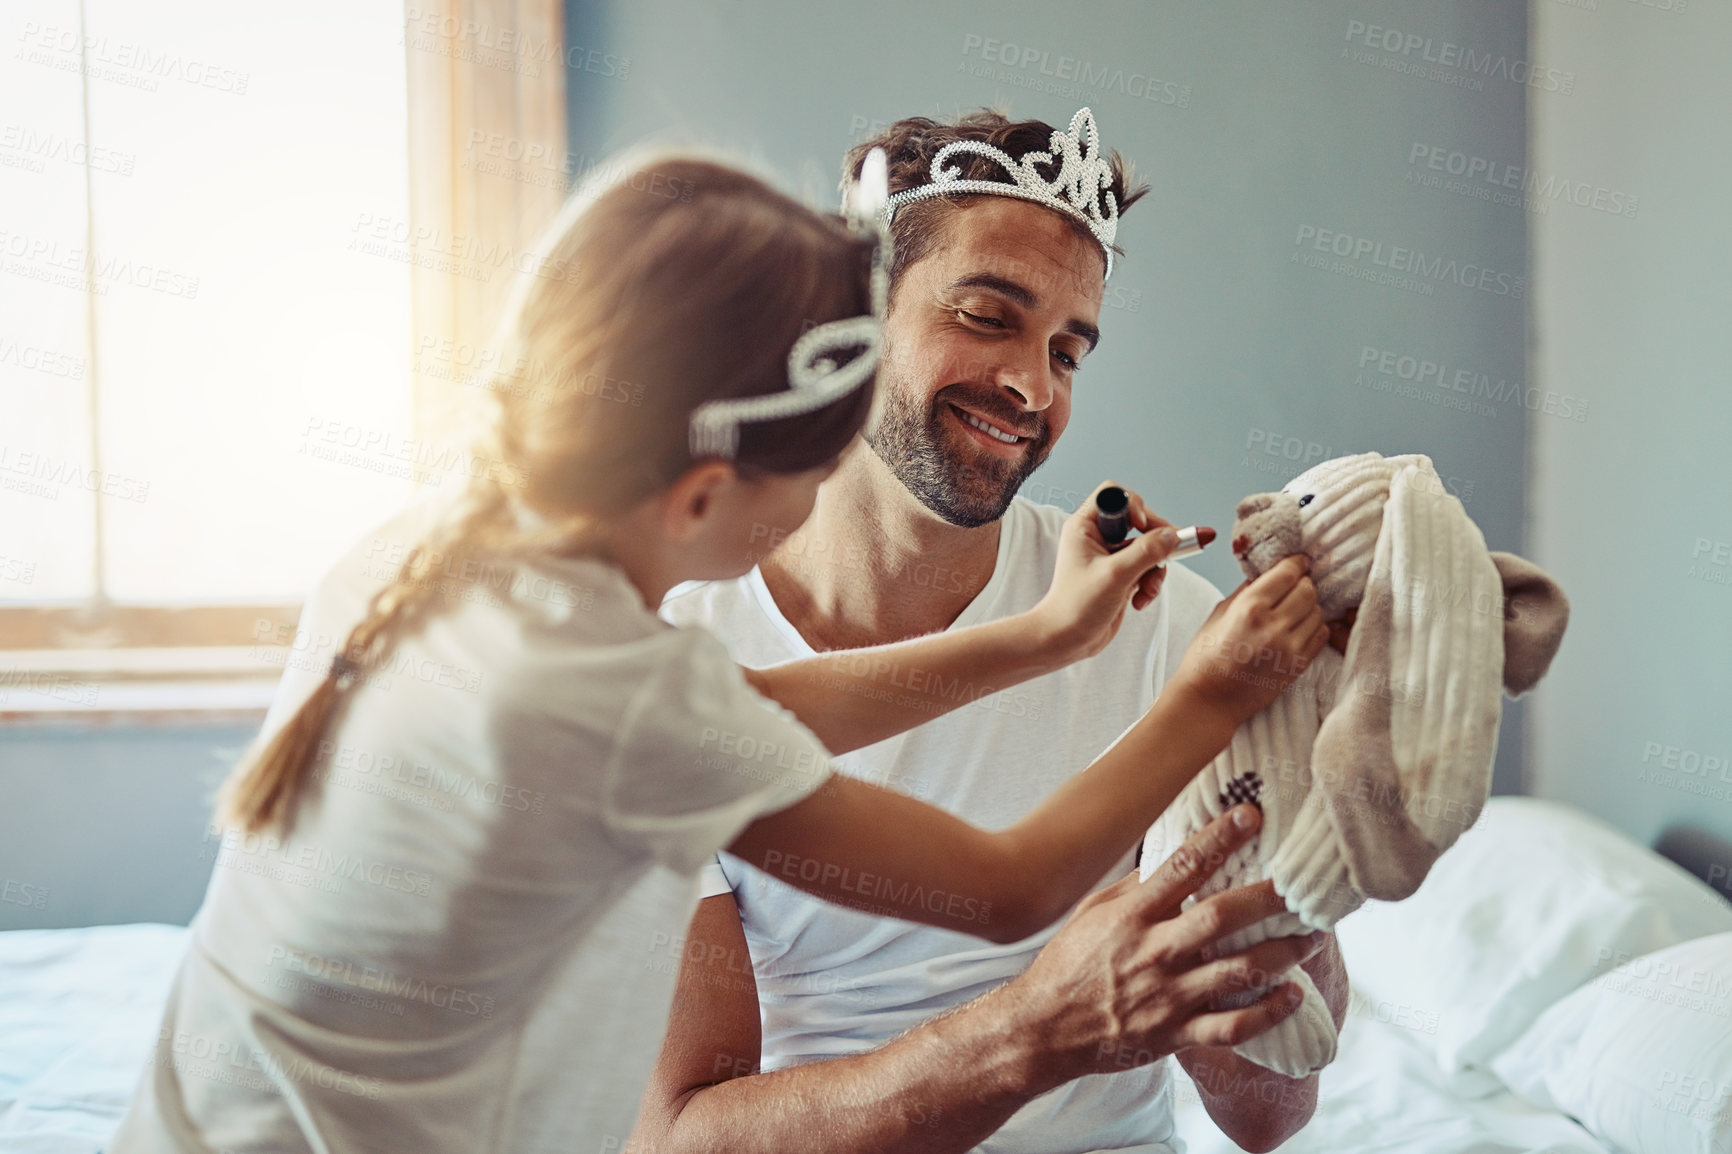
(675, 281)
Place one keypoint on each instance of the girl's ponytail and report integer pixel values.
(672, 281)
(262, 789)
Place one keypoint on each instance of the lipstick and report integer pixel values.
(1113, 514)
(1113, 517)
(1191, 542)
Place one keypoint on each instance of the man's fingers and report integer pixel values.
(1253, 968)
(1126, 886)
(1193, 863)
(1221, 914)
(1232, 1027)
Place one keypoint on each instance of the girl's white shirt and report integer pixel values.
(469, 939)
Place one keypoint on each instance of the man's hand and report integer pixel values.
(1256, 641)
(1129, 980)
(1121, 984)
(1093, 583)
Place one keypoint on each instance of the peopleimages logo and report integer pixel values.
(125, 62)
(1446, 62)
(1433, 166)
(1408, 262)
(39, 359)
(45, 259)
(1061, 69)
(52, 475)
(1382, 368)
(33, 149)
(437, 31)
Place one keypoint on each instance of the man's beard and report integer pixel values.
(914, 444)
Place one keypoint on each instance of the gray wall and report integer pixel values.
(1633, 312)
(1220, 345)
(103, 825)
(1228, 363)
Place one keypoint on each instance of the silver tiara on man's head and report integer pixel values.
(1080, 187)
(818, 370)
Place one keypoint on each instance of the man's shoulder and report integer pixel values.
(738, 612)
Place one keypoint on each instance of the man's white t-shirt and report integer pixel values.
(468, 942)
(834, 982)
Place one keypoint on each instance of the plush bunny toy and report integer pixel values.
(1371, 764)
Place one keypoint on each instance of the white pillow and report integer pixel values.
(1532, 901)
(1642, 1055)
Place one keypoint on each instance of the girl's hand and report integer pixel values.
(1093, 583)
(1256, 641)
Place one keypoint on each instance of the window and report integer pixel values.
(208, 298)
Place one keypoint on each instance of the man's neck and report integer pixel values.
(872, 565)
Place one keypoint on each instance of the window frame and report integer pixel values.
(205, 662)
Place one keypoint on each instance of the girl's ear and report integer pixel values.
(691, 501)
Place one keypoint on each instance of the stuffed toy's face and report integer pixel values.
(1332, 513)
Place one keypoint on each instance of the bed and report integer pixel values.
(1552, 987)
(79, 1010)
(1385, 1094)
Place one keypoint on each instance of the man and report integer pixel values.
(806, 1026)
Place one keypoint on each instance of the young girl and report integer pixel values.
(487, 739)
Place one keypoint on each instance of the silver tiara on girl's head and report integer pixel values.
(1082, 183)
(818, 370)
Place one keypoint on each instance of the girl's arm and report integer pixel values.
(853, 698)
(880, 851)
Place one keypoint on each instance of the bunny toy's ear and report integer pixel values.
(1535, 612)
(1406, 750)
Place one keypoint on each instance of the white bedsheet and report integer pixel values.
(1384, 1094)
(79, 1009)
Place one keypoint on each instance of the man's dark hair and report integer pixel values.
(911, 144)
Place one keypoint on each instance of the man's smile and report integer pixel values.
(995, 437)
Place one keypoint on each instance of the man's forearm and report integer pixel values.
(1256, 1107)
(940, 1088)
